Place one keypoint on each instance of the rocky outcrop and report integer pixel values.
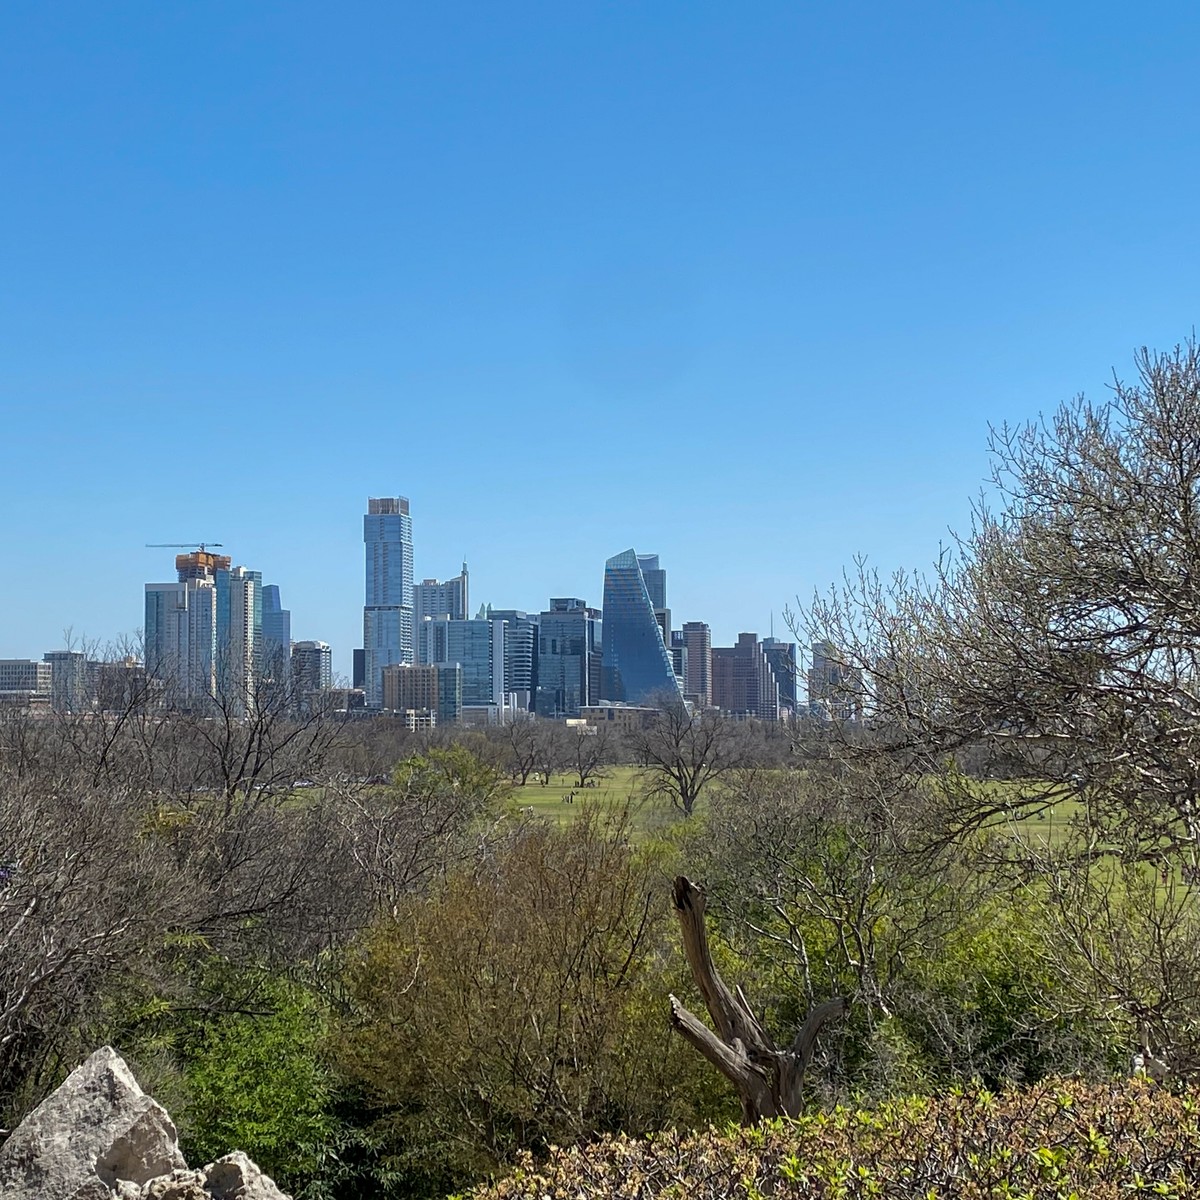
(100, 1137)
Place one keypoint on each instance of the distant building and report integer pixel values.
(180, 633)
(122, 685)
(742, 680)
(678, 650)
(358, 669)
(435, 598)
(623, 719)
(569, 654)
(636, 666)
(835, 688)
(520, 653)
(476, 646)
(429, 695)
(26, 683)
(697, 684)
(782, 657)
(388, 611)
(655, 578)
(311, 675)
(276, 634)
(69, 691)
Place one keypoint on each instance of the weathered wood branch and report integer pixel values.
(769, 1081)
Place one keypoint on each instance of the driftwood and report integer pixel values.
(769, 1080)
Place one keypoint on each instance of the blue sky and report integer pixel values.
(738, 284)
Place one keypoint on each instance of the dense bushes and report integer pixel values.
(1061, 1139)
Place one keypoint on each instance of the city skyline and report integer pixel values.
(745, 287)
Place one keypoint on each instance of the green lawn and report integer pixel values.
(618, 786)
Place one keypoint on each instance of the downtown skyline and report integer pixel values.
(744, 288)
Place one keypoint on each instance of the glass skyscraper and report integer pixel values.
(388, 611)
(636, 665)
(568, 664)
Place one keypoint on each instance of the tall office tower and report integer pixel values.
(742, 680)
(569, 655)
(655, 578)
(276, 634)
(520, 653)
(835, 688)
(477, 646)
(181, 640)
(69, 690)
(432, 694)
(636, 665)
(678, 649)
(388, 611)
(782, 657)
(435, 598)
(697, 684)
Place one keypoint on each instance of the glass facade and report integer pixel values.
(388, 611)
(568, 663)
(636, 665)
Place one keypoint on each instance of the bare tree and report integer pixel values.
(1061, 634)
(591, 752)
(681, 753)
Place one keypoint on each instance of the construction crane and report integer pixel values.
(201, 546)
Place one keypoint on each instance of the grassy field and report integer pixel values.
(619, 785)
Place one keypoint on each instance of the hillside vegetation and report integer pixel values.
(1061, 1139)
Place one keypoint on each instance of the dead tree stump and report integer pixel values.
(769, 1080)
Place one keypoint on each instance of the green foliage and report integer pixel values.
(523, 1004)
(452, 767)
(256, 1083)
(1060, 1140)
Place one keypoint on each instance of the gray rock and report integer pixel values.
(97, 1130)
(235, 1177)
(179, 1185)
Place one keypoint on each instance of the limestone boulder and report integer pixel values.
(98, 1130)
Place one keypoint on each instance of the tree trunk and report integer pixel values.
(769, 1080)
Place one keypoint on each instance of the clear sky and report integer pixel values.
(740, 284)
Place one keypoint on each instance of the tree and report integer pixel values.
(681, 752)
(591, 752)
(518, 1005)
(769, 1080)
(1061, 636)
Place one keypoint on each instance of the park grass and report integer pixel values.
(617, 787)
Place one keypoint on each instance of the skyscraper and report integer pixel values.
(435, 598)
(636, 663)
(276, 633)
(477, 647)
(311, 673)
(835, 688)
(782, 657)
(180, 634)
(697, 685)
(568, 666)
(742, 680)
(388, 611)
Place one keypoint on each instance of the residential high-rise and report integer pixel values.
(569, 653)
(742, 680)
(69, 675)
(697, 684)
(181, 640)
(678, 650)
(636, 665)
(438, 598)
(312, 666)
(388, 611)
